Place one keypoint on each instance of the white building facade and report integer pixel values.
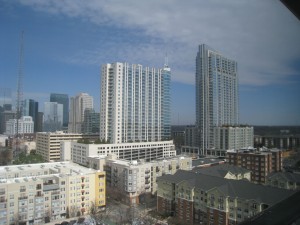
(78, 105)
(147, 151)
(233, 137)
(25, 126)
(135, 103)
(216, 94)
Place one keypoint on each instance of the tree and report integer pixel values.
(100, 216)
(5, 156)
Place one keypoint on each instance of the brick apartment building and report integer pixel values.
(261, 163)
(203, 199)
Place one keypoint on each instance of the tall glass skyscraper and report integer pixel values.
(64, 100)
(216, 94)
(31, 108)
(53, 116)
(135, 103)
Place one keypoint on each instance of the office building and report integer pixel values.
(64, 100)
(31, 108)
(91, 122)
(203, 199)
(53, 117)
(78, 105)
(48, 143)
(5, 116)
(39, 122)
(24, 125)
(216, 95)
(46, 192)
(260, 162)
(134, 103)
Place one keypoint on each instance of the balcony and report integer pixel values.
(23, 197)
(50, 187)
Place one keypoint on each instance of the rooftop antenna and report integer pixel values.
(166, 60)
(166, 65)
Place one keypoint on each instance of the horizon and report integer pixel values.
(65, 44)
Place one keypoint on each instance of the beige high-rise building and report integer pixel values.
(78, 105)
(41, 193)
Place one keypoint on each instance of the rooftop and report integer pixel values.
(37, 171)
(207, 161)
(221, 170)
(232, 188)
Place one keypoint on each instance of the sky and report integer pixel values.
(66, 42)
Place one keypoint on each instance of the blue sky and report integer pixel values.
(65, 43)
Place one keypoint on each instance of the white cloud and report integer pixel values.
(263, 36)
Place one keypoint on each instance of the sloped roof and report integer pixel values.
(293, 177)
(233, 188)
(221, 170)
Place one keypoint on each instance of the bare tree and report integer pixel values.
(99, 215)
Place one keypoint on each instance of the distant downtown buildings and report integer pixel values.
(53, 116)
(78, 105)
(64, 100)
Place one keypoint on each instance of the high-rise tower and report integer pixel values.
(31, 108)
(78, 105)
(64, 100)
(216, 94)
(135, 103)
(53, 116)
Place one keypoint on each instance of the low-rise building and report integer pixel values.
(286, 180)
(202, 199)
(39, 193)
(260, 162)
(130, 181)
(283, 141)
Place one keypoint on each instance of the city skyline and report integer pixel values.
(65, 44)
